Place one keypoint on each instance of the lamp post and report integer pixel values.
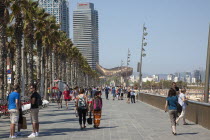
(121, 72)
(143, 44)
(128, 61)
(206, 91)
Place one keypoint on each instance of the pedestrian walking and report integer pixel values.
(128, 96)
(122, 93)
(66, 96)
(171, 103)
(81, 106)
(183, 102)
(113, 92)
(97, 109)
(107, 92)
(59, 98)
(133, 100)
(35, 102)
(13, 108)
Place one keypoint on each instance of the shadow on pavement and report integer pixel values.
(59, 121)
(63, 131)
(187, 133)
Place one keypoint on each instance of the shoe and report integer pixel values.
(173, 133)
(37, 134)
(13, 137)
(33, 135)
(185, 123)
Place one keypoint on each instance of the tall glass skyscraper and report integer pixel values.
(85, 37)
(60, 9)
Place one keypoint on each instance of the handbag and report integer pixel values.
(24, 124)
(90, 120)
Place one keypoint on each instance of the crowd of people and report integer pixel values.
(88, 102)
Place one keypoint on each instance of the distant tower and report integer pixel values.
(85, 28)
(59, 9)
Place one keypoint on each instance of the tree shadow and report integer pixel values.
(59, 121)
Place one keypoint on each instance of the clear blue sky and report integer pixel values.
(177, 33)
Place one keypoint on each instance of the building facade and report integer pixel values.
(59, 9)
(85, 36)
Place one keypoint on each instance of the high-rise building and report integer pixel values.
(85, 28)
(170, 77)
(59, 9)
(197, 76)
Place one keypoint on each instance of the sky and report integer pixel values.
(177, 33)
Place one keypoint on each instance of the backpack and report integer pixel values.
(82, 103)
(97, 104)
(39, 100)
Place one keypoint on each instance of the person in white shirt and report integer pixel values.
(182, 101)
(133, 96)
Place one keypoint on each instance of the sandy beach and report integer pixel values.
(191, 94)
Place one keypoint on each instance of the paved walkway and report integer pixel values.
(120, 121)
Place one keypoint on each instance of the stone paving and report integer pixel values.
(120, 121)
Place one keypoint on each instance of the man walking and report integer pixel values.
(107, 92)
(133, 96)
(13, 107)
(35, 97)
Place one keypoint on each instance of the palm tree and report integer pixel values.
(4, 19)
(30, 11)
(16, 8)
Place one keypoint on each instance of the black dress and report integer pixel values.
(129, 95)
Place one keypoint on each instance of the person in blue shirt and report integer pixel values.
(171, 103)
(113, 92)
(13, 107)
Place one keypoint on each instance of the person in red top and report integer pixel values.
(66, 96)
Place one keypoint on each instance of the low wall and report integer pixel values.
(196, 112)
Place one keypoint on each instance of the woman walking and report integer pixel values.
(182, 101)
(128, 96)
(171, 103)
(97, 108)
(113, 92)
(81, 106)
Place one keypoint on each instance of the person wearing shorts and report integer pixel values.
(66, 96)
(13, 107)
(34, 112)
(59, 99)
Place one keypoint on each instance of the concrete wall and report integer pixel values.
(196, 112)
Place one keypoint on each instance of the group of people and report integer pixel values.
(87, 101)
(176, 104)
(15, 110)
(119, 93)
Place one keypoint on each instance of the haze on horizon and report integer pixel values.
(177, 33)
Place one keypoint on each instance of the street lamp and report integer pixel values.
(143, 54)
(206, 90)
(128, 62)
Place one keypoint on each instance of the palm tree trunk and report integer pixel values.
(18, 45)
(30, 44)
(26, 66)
(39, 55)
(50, 70)
(46, 74)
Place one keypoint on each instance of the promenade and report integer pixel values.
(120, 121)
